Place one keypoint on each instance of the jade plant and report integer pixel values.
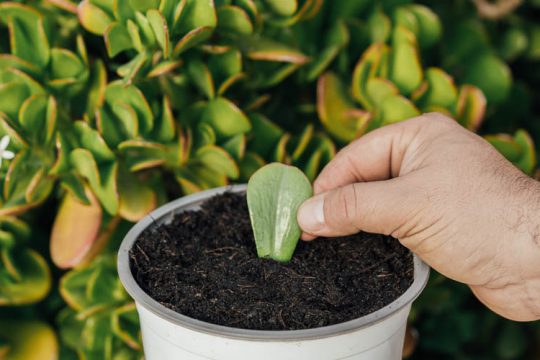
(20, 339)
(100, 321)
(25, 277)
(112, 108)
(274, 194)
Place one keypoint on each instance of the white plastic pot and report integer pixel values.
(168, 335)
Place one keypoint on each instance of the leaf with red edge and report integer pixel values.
(75, 229)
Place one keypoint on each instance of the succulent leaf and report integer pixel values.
(136, 198)
(274, 194)
(258, 48)
(527, 162)
(27, 34)
(397, 108)
(93, 18)
(337, 111)
(117, 39)
(234, 19)
(160, 28)
(438, 89)
(471, 107)
(24, 337)
(102, 179)
(491, 75)
(266, 135)
(191, 39)
(75, 229)
(225, 118)
(32, 281)
(429, 25)
(405, 68)
(197, 14)
(201, 78)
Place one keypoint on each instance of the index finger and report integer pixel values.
(375, 156)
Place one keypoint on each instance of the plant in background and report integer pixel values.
(274, 194)
(25, 277)
(113, 108)
(100, 321)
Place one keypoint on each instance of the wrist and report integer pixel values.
(513, 288)
(529, 260)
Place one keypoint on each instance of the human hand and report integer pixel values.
(449, 197)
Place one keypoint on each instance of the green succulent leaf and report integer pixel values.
(145, 30)
(225, 118)
(144, 5)
(250, 163)
(397, 108)
(380, 27)
(117, 39)
(65, 64)
(337, 39)
(337, 111)
(527, 162)
(429, 25)
(37, 116)
(405, 68)
(12, 96)
(378, 89)
(368, 66)
(136, 197)
(201, 78)
(135, 35)
(93, 18)
(491, 75)
(266, 135)
(234, 19)
(225, 65)
(197, 14)
(132, 106)
(165, 127)
(102, 179)
(471, 107)
(264, 49)
(160, 28)
(33, 280)
(506, 145)
(283, 7)
(125, 325)
(404, 17)
(274, 194)
(27, 33)
(91, 140)
(438, 89)
(218, 160)
(26, 336)
(191, 39)
(236, 146)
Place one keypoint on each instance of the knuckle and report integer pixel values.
(438, 119)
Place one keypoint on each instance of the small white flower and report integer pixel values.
(4, 153)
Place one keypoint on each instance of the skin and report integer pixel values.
(447, 195)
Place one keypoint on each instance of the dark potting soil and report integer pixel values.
(204, 265)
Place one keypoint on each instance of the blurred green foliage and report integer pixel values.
(109, 109)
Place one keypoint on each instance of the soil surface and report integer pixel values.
(204, 265)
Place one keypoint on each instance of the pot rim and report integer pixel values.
(167, 211)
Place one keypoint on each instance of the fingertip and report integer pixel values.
(307, 237)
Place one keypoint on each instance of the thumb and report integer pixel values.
(382, 207)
